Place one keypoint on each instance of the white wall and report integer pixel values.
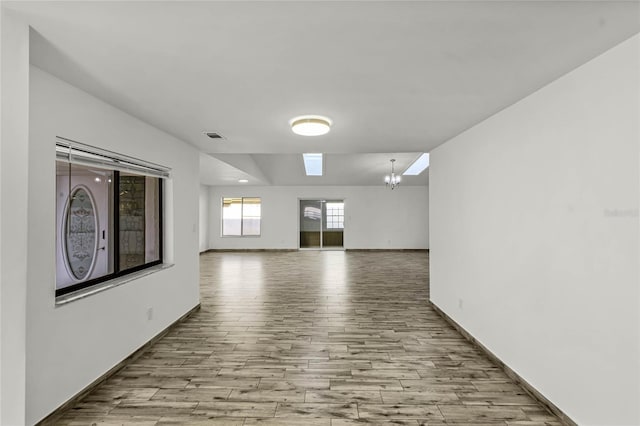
(71, 345)
(14, 168)
(375, 217)
(534, 237)
(204, 218)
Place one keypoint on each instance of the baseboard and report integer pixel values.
(61, 410)
(380, 250)
(290, 250)
(245, 250)
(533, 392)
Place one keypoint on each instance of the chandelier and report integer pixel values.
(393, 180)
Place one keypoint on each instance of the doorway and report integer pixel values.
(322, 224)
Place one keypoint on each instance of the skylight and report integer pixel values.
(418, 166)
(312, 164)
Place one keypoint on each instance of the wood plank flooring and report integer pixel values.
(312, 338)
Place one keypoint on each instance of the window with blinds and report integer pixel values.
(109, 213)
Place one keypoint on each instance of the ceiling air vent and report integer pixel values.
(214, 135)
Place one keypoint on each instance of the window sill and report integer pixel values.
(98, 288)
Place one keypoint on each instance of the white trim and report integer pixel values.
(85, 292)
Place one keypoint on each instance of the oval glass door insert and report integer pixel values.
(80, 235)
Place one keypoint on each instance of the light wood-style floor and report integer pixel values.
(312, 338)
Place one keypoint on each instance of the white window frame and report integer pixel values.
(222, 234)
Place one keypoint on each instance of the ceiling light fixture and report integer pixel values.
(392, 180)
(418, 166)
(310, 125)
(243, 181)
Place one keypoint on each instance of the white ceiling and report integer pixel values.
(395, 76)
(359, 169)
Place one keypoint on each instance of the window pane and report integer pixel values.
(232, 216)
(241, 216)
(335, 215)
(152, 219)
(132, 221)
(310, 223)
(251, 211)
(139, 220)
(83, 224)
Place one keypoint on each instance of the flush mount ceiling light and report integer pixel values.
(310, 125)
(243, 181)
